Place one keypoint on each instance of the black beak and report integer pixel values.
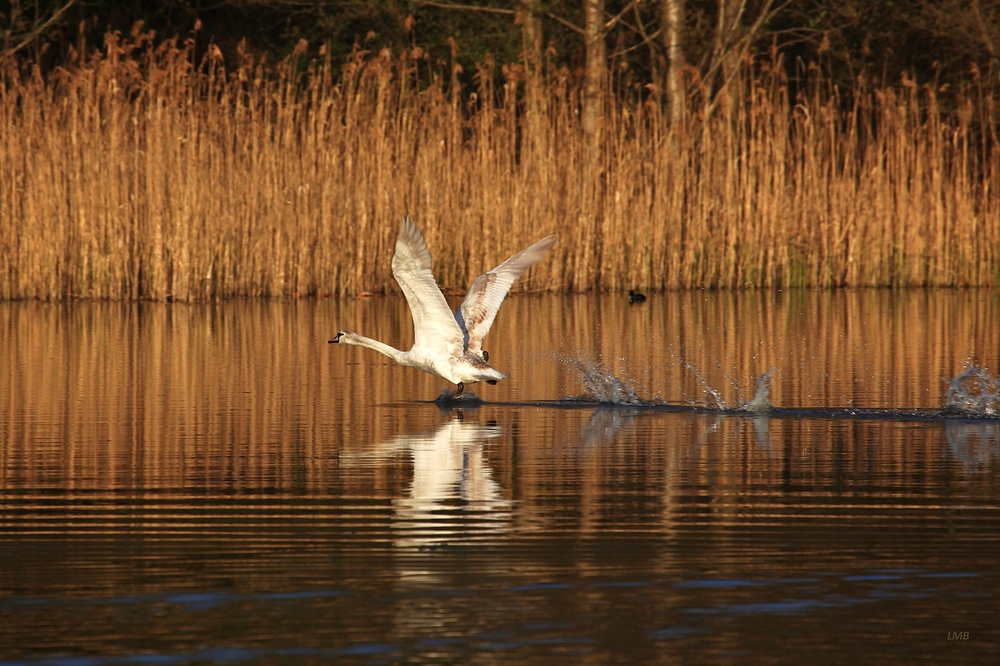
(336, 338)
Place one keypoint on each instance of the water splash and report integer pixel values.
(975, 392)
(447, 398)
(713, 393)
(761, 400)
(601, 385)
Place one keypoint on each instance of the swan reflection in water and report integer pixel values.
(453, 499)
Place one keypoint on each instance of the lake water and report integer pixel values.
(217, 484)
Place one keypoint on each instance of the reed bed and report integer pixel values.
(142, 172)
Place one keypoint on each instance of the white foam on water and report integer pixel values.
(975, 392)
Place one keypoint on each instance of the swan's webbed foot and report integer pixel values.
(486, 355)
(491, 382)
(461, 387)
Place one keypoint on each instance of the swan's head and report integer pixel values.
(343, 336)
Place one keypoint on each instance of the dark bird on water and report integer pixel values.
(635, 297)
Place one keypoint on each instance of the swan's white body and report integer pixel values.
(445, 344)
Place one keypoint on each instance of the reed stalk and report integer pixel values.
(139, 172)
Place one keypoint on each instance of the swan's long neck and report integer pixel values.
(382, 348)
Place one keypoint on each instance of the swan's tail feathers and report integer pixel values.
(481, 304)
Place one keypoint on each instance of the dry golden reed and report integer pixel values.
(141, 172)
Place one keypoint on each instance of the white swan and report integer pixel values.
(446, 345)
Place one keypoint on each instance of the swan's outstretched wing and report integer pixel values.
(480, 306)
(434, 327)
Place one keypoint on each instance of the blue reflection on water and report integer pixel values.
(539, 586)
(672, 632)
(192, 600)
(215, 654)
(721, 582)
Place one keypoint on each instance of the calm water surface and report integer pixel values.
(215, 483)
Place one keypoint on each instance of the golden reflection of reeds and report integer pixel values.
(135, 172)
(245, 395)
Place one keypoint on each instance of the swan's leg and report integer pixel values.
(461, 387)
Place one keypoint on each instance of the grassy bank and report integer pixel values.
(139, 172)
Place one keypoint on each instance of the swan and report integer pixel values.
(445, 344)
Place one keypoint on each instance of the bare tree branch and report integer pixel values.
(618, 18)
(529, 7)
(558, 19)
(470, 8)
(37, 29)
(743, 45)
